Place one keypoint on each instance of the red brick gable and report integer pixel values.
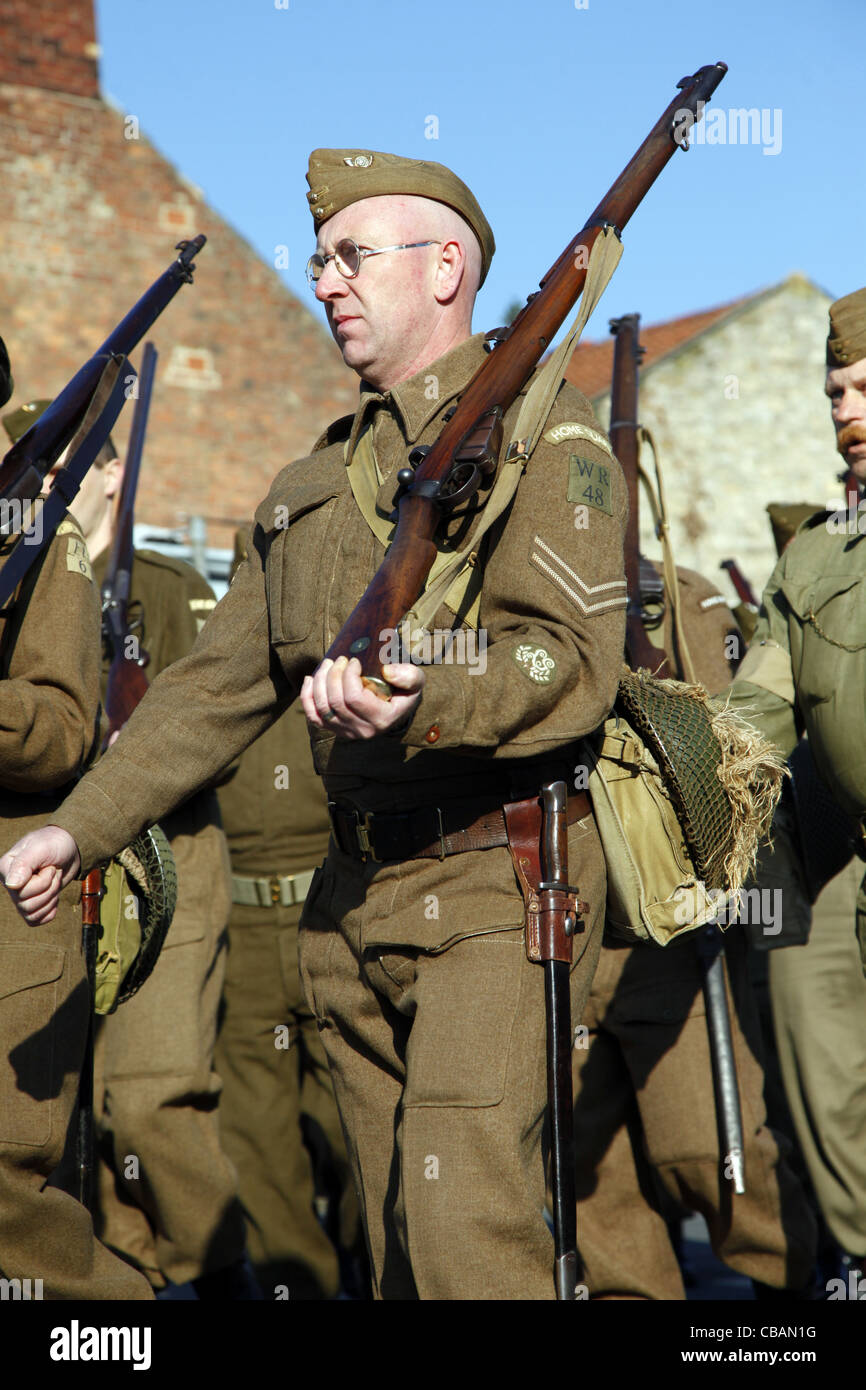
(50, 44)
(591, 367)
(247, 377)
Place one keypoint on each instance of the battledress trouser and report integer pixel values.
(645, 1115)
(167, 1193)
(818, 996)
(437, 1054)
(45, 1234)
(277, 1100)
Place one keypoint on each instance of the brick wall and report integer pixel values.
(89, 216)
(50, 44)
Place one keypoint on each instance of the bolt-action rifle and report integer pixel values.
(127, 684)
(625, 442)
(81, 417)
(467, 451)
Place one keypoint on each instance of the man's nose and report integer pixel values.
(851, 406)
(331, 284)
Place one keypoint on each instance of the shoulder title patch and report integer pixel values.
(77, 558)
(535, 662)
(589, 482)
(573, 429)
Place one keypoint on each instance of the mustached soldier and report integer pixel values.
(646, 1125)
(49, 713)
(806, 671)
(167, 1194)
(412, 942)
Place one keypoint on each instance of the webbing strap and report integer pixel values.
(531, 419)
(658, 507)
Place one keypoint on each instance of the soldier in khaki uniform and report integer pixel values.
(278, 1117)
(817, 991)
(646, 1130)
(414, 962)
(167, 1194)
(179, 1217)
(49, 712)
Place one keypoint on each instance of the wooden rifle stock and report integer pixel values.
(127, 682)
(745, 592)
(467, 448)
(627, 353)
(24, 467)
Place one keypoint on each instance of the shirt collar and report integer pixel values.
(420, 398)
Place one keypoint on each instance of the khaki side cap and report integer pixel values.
(847, 339)
(338, 178)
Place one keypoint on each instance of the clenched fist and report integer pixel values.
(36, 868)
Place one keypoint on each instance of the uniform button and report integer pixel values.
(432, 734)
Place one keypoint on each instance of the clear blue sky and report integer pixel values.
(539, 105)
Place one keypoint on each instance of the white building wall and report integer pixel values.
(740, 419)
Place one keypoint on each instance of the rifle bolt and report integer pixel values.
(569, 924)
(405, 477)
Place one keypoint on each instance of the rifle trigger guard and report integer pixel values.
(449, 500)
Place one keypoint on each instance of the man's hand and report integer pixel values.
(36, 868)
(335, 698)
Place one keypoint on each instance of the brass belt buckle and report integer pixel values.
(363, 834)
(274, 886)
(441, 833)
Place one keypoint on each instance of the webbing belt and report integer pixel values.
(285, 889)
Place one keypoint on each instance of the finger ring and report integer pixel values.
(329, 714)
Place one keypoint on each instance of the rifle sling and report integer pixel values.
(662, 528)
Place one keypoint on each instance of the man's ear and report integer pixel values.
(112, 477)
(449, 271)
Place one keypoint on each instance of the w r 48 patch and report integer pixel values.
(589, 482)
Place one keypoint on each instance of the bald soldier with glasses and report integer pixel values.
(412, 939)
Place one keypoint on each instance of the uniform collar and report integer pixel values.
(412, 401)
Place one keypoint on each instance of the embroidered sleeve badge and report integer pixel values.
(589, 482)
(535, 662)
